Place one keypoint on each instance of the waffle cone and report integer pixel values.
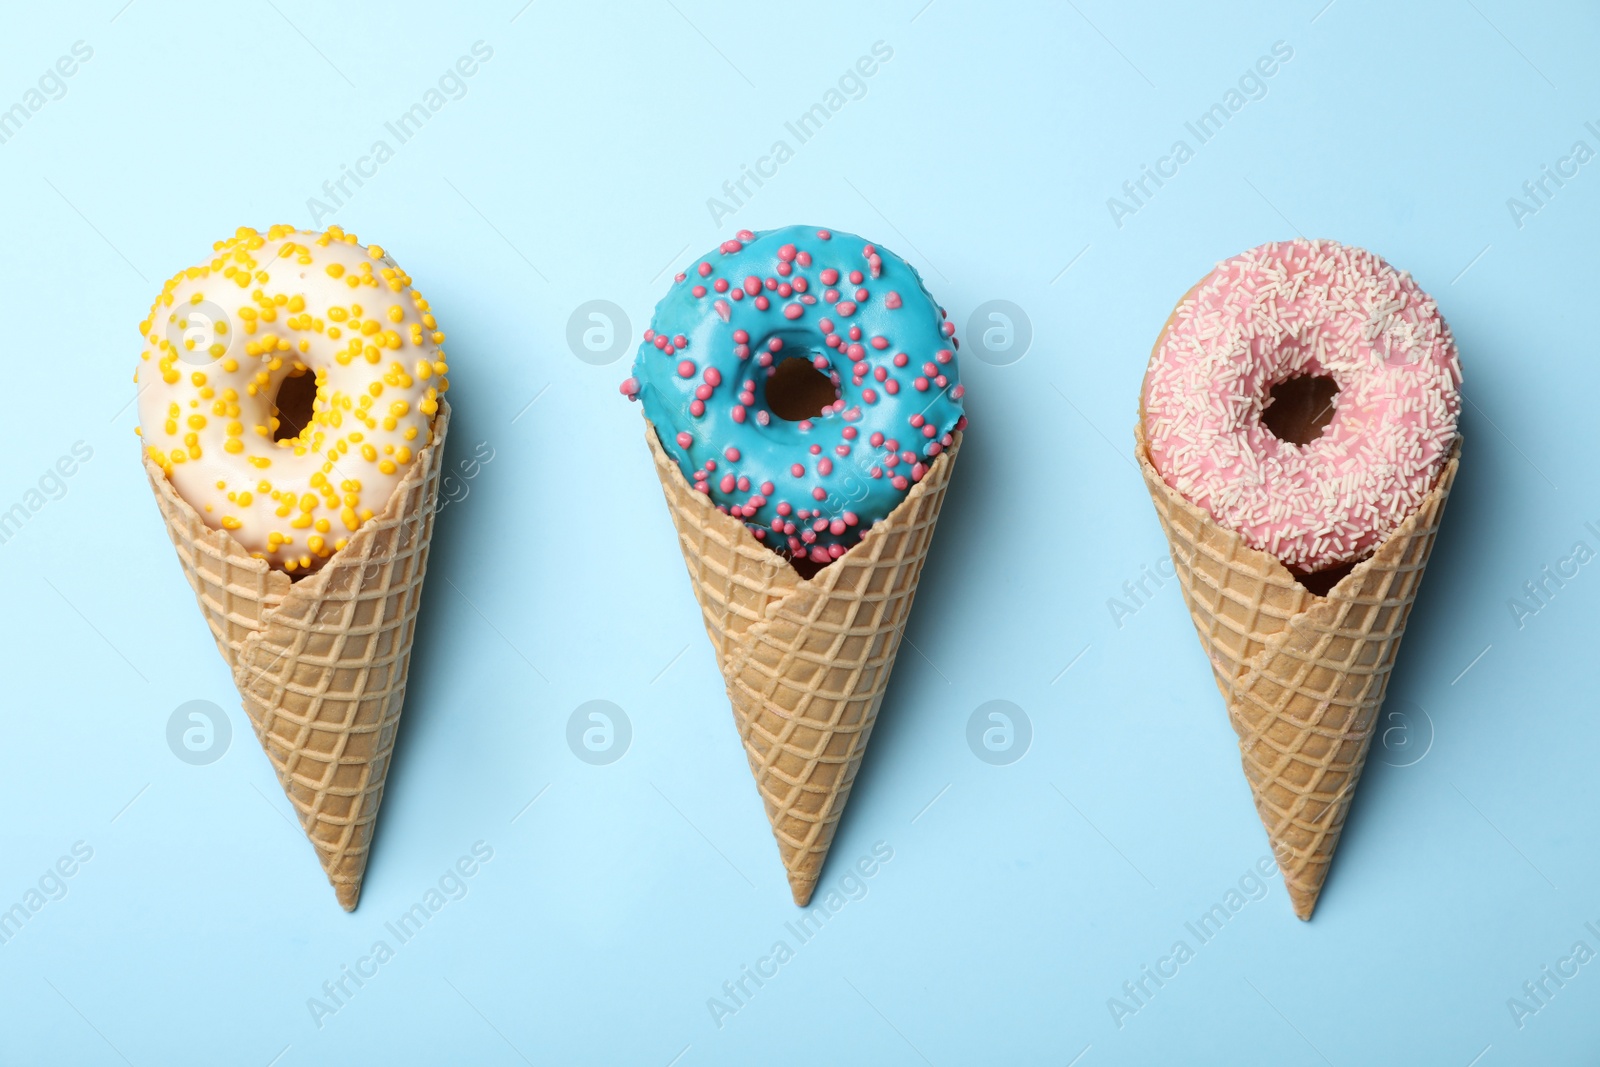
(805, 661)
(321, 663)
(1303, 675)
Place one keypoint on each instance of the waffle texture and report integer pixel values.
(805, 661)
(321, 663)
(1303, 675)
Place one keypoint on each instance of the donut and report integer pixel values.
(268, 326)
(804, 380)
(1250, 337)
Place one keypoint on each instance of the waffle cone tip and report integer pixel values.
(802, 884)
(1304, 900)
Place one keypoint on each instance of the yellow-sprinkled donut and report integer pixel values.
(289, 310)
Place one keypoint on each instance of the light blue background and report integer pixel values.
(577, 167)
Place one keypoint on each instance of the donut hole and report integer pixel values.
(297, 395)
(1300, 408)
(798, 390)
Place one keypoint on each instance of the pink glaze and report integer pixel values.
(1305, 308)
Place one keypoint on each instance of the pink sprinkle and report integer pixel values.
(881, 373)
(659, 340)
(891, 387)
(785, 269)
(720, 285)
(784, 508)
(825, 235)
(762, 303)
(738, 413)
(752, 284)
(855, 333)
(745, 235)
(804, 259)
(855, 352)
(825, 325)
(702, 392)
(944, 355)
(958, 392)
(786, 252)
(685, 439)
(880, 343)
(727, 484)
(775, 344)
(686, 369)
(730, 247)
(836, 527)
(856, 277)
(737, 294)
(649, 335)
(741, 337)
(901, 359)
(731, 454)
(724, 312)
(681, 341)
(929, 430)
(829, 276)
(892, 301)
(920, 384)
(785, 290)
(846, 308)
(698, 291)
(819, 493)
(831, 295)
(630, 387)
(793, 311)
(697, 408)
(899, 482)
(862, 294)
(851, 433)
(824, 466)
(713, 377)
(704, 269)
(916, 420)
(798, 470)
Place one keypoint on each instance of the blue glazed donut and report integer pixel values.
(804, 380)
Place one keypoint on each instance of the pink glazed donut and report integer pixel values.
(1291, 310)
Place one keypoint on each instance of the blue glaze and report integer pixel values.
(869, 475)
